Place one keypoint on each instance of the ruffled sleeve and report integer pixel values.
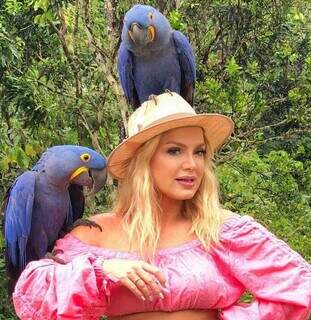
(75, 290)
(277, 276)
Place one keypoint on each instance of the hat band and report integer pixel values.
(168, 118)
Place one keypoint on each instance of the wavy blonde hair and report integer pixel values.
(137, 202)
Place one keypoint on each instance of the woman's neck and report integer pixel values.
(171, 211)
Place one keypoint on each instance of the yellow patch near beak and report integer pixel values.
(151, 33)
(78, 172)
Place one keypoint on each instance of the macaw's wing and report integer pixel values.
(17, 219)
(125, 70)
(187, 66)
(77, 201)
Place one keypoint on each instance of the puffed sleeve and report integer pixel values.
(278, 277)
(75, 290)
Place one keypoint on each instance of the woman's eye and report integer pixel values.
(173, 151)
(201, 152)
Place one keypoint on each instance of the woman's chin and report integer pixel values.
(182, 196)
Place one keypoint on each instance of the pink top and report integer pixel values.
(248, 257)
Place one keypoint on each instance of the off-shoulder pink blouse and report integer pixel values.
(248, 257)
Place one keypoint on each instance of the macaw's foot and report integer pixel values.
(87, 223)
(52, 256)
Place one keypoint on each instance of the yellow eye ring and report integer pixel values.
(85, 157)
(150, 15)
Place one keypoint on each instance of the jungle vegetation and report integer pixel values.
(59, 85)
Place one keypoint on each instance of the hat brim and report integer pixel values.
(217, 129)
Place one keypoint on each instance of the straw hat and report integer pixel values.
(162, 113)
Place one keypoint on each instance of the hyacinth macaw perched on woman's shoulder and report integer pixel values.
(153, 57)
(44, 202)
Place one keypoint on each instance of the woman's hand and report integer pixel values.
(142, 278)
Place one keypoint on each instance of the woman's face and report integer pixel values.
(178, 163)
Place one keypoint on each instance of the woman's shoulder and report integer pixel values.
(105, 219)
(228, 215)
(104, 224)
(235, 224)
(238, 229)
(243, 235)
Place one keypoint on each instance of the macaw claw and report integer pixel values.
(87, 223)
(52, 256)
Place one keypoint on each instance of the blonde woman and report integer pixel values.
(168, 250)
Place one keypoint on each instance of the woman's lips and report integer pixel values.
(187, 182)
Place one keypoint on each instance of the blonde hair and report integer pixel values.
(137, 202)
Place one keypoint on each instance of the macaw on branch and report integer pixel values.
(44, 202)
(153, 57)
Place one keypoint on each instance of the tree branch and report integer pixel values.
(69, 55)
(247, 133)
(207, 52)
(105, 64)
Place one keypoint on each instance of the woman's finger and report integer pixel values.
(151, 281)
(140, 284)
(156, 272)
(126, 282)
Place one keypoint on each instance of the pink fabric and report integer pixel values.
(248, 257)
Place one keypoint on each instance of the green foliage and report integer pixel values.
(175, 19)
(275, 188)
(58, 85)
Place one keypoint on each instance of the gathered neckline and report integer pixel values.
(163, 251)
(159, 252)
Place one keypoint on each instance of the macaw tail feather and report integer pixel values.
(15, 262)
(13, 273)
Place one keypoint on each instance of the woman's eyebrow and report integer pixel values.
(183, 145)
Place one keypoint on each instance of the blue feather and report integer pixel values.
(125, 70)
(18, 216)
(186, 56)
(44, 202)
(150, 65)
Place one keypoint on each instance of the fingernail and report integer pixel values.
(150, 298)
(166, 290)
(161, 295)
(143, 298)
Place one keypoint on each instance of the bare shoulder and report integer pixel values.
(107, 219)
(108, 222)
(227, 214)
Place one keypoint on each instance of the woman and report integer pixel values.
(168, 250)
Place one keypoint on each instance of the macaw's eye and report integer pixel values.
(150, 15)
(85, 157)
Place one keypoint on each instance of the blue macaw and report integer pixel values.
(44, 202)
(153, 57)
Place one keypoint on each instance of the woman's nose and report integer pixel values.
(189, 162)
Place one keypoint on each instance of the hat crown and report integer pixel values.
(159, 114)
(157, 108)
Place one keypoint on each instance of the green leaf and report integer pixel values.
(232, 68)
(30, 151)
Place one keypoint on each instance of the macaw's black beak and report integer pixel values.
(99, 180)
(91, 178)
(140, 35)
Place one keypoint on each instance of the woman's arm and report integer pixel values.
(48, 290)
(277, 276)
(81, 287)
